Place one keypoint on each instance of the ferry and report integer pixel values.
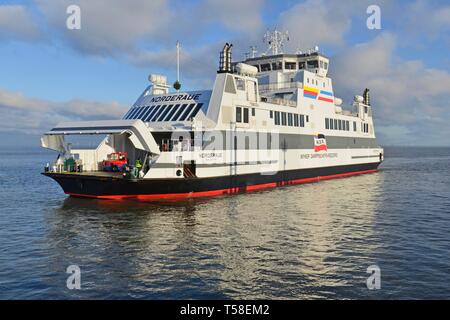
(268, 121)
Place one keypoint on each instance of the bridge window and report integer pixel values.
(271, 114)
(327, 123)
(296, 120)
(253, 112)
(135, 111)
(196, 110)
(302, 120)
(150, 116)
(128, 114)
(238, 114)
(290, 119)
(180, 110)
(158, 113)
(170, 114)
(265, 67)
(151, 113)
(313, 64)
(354, 125)
(277, 66)
(290, 65)
(187, 112)
(136, 115)
(164, 113)
(143, 111)
(144, 116)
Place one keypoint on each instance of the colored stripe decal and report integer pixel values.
(325, 99)
(314, 90)
(222, 191)
(307, 95)
(328, 93)
(310, 92)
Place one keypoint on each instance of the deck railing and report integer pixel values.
(265, 88)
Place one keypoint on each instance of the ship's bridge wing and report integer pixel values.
(138, 133)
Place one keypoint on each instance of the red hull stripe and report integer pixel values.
(325, 99)
(221, 191)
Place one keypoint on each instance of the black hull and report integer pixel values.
(115, 187)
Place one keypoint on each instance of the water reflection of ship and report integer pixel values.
(119, 244)
(333, 224)
(299, 238)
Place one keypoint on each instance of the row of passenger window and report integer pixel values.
(337, 124)
(171, 112)
(289, 119)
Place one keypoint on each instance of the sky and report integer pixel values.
(50, 74)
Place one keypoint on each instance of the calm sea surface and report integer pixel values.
(302, 242)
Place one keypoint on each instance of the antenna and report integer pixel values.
(275, 40)
(178, 60)
(252, 53)
(177, 84)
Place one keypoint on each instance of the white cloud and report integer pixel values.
(198, 65)
(109, 26)
(311, 23)
(243, 16)
(34, 116)
(116, 27)
(16, 23)
(425, 20)
(405, 94)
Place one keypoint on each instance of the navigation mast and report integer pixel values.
(275, 40)
(177, 84)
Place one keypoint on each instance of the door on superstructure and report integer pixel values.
(251, 90)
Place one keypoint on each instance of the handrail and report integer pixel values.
(280, 85)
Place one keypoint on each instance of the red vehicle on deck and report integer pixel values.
(117, 161)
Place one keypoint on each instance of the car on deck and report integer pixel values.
(117, 161)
